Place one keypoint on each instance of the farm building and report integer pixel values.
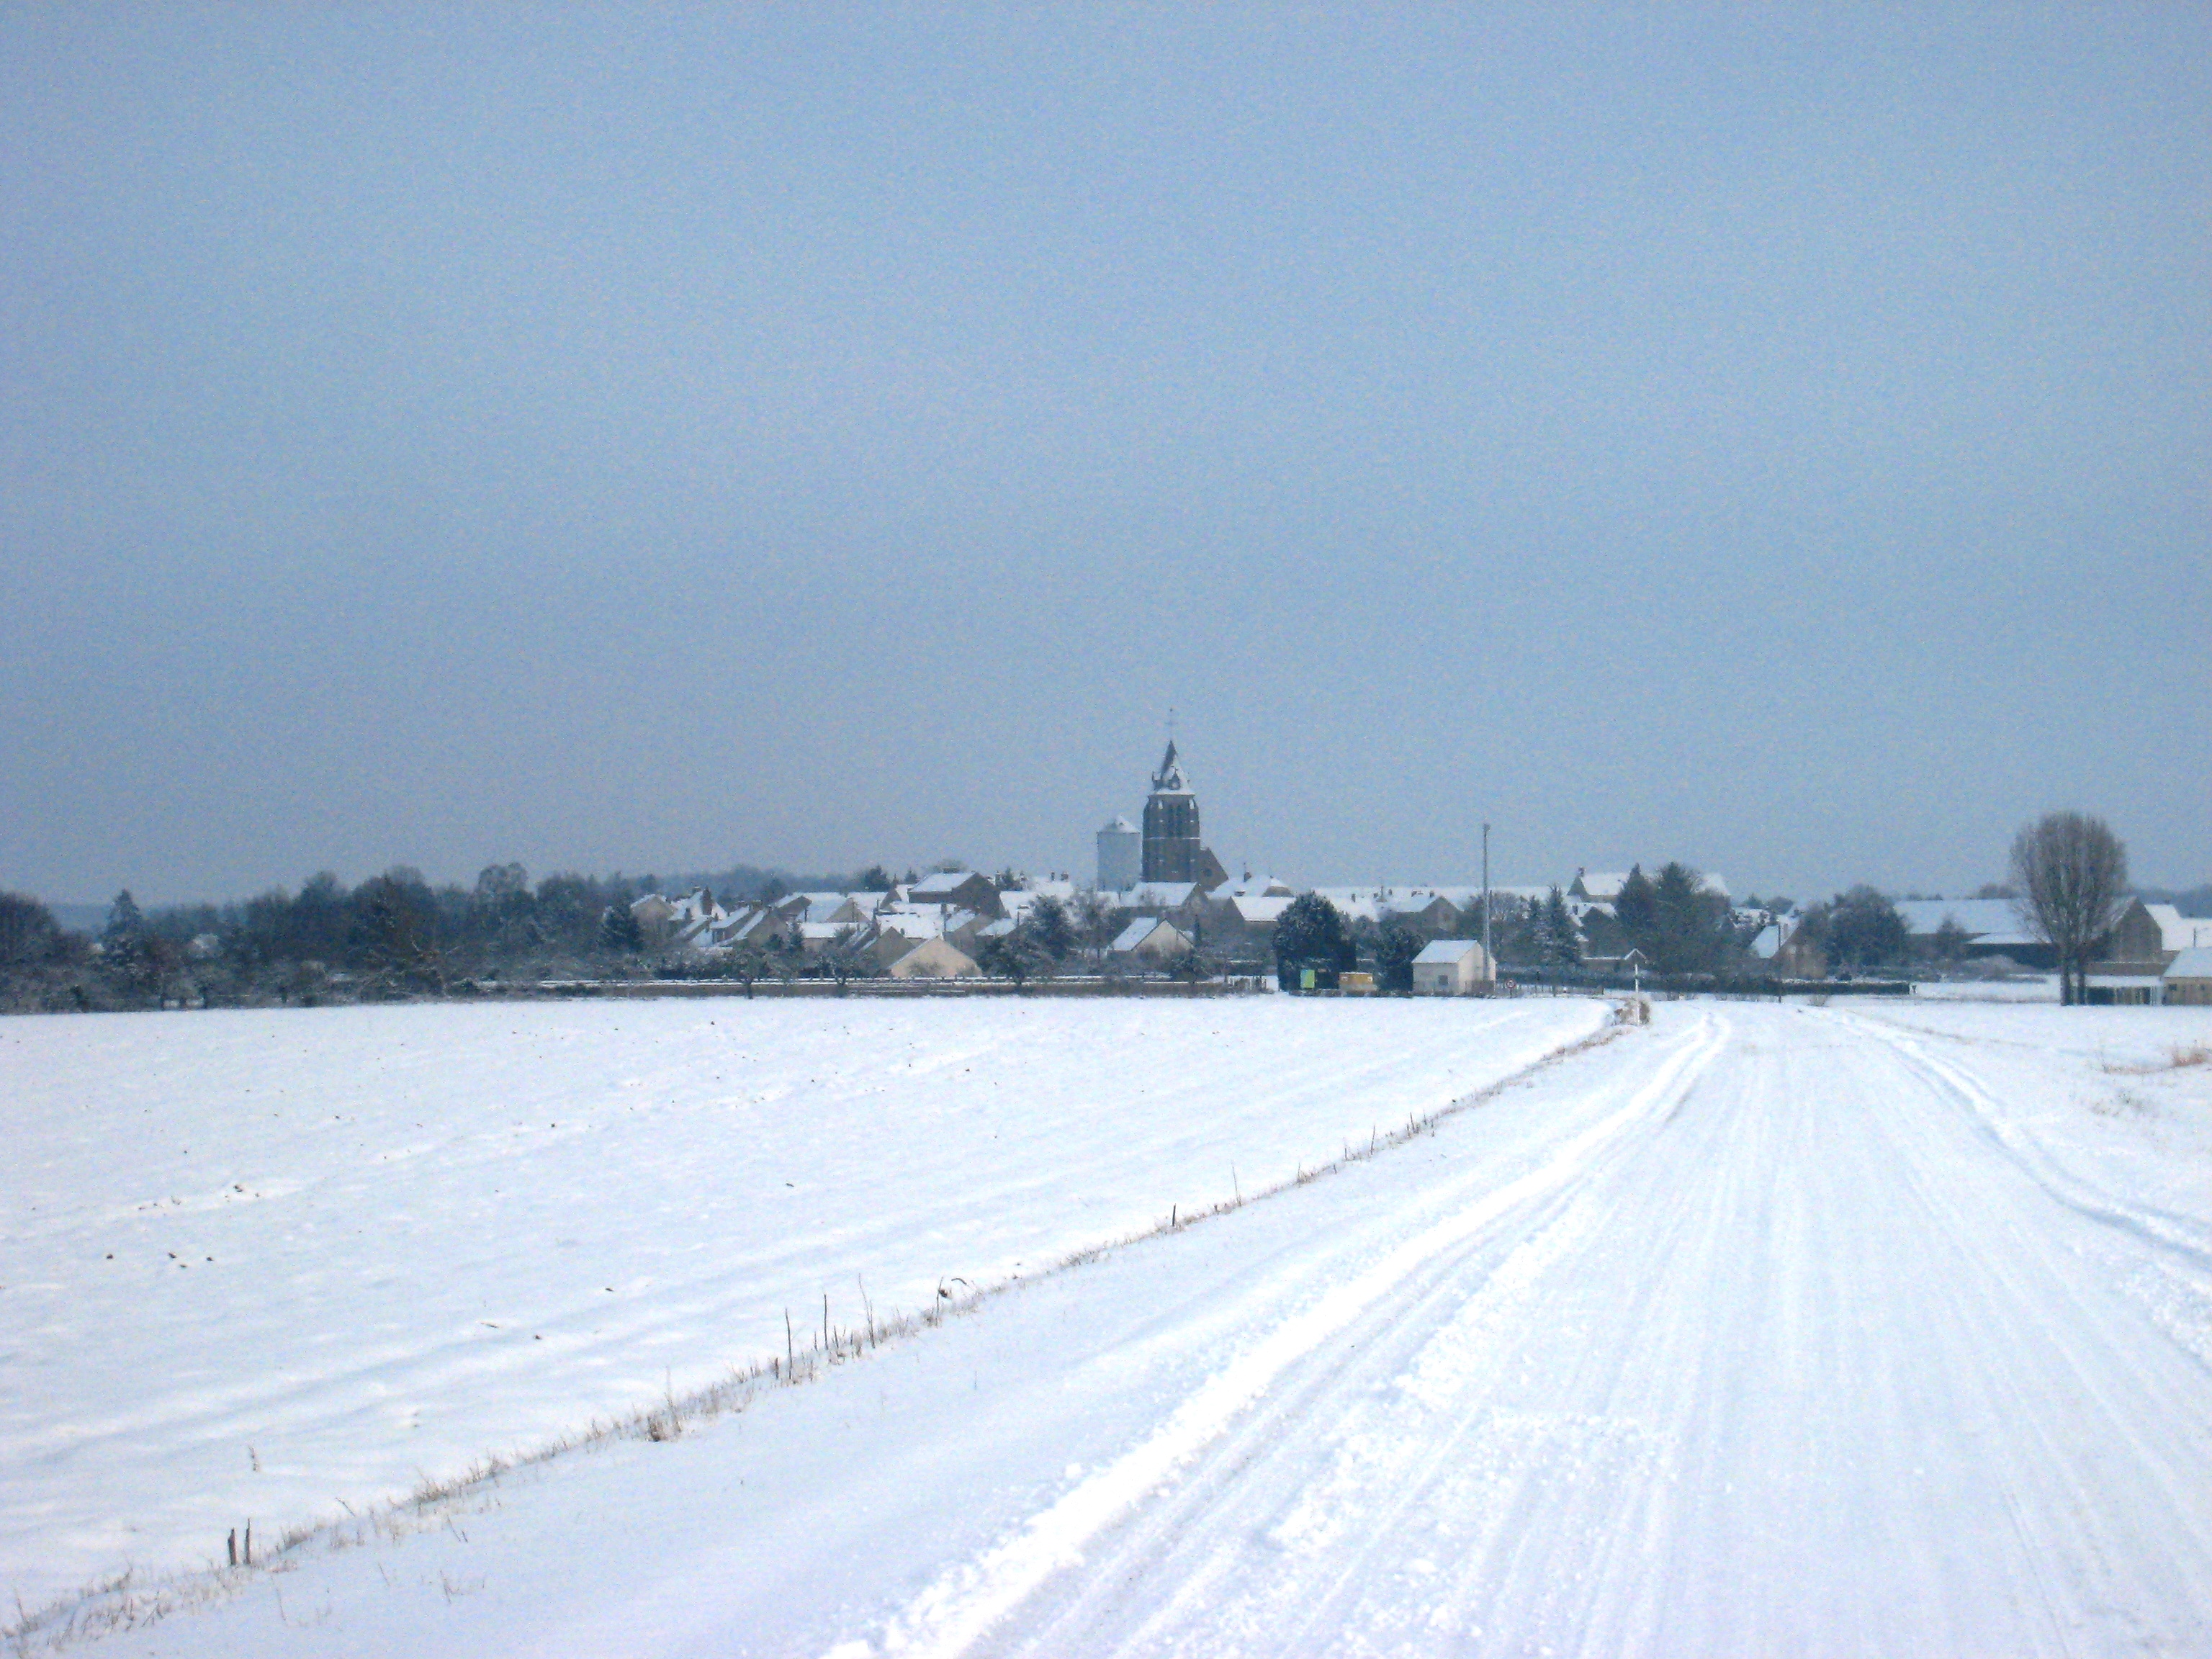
(1451, 967)
(1992, 928)
(2187, 977)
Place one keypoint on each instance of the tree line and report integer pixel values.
(394, 934)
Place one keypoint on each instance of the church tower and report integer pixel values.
(1173, 850)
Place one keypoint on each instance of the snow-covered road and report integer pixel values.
(1764, 1330)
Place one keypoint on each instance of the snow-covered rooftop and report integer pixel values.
(910, 924)
(1448, 951)
(2177, 932)
(1413, 903)
(1253, 887)
(939, 883)
(1603, 885)
(1136, 932)
(1159, 895)
(1987, 921)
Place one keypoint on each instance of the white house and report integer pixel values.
(1451, 967)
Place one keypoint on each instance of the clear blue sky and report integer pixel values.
(1776, 438)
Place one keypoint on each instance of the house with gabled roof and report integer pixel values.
(1151, 941)
(756, 925)
(1428, 913)
(957, 890)
(934, 958)
(1597, 887)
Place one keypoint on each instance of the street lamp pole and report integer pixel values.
(1489, 961)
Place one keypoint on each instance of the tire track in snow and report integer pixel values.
(966, 1602)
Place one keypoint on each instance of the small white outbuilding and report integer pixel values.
(1452, 968)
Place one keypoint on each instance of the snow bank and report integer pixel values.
(253, 1264)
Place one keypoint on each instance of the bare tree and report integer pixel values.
(2072, 873)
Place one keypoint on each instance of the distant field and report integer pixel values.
(255, 1263)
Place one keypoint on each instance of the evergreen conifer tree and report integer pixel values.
(123, 921)
(1637, 910)
(1395, 946)
(1562, 944)
(619, 931)
(1689, 921)
(1050, 927)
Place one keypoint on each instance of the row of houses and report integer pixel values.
(927, 930)
(940, 925)
(1148, 924)
(937, 927)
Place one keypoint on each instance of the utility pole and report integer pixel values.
(1489, 961)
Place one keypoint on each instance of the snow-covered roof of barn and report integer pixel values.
(1986, 921)
(1449, 951)
(2177, 932)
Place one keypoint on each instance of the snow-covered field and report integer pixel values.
(260, 1265)
(1870, 1329)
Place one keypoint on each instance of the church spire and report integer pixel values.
(1169, 778)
